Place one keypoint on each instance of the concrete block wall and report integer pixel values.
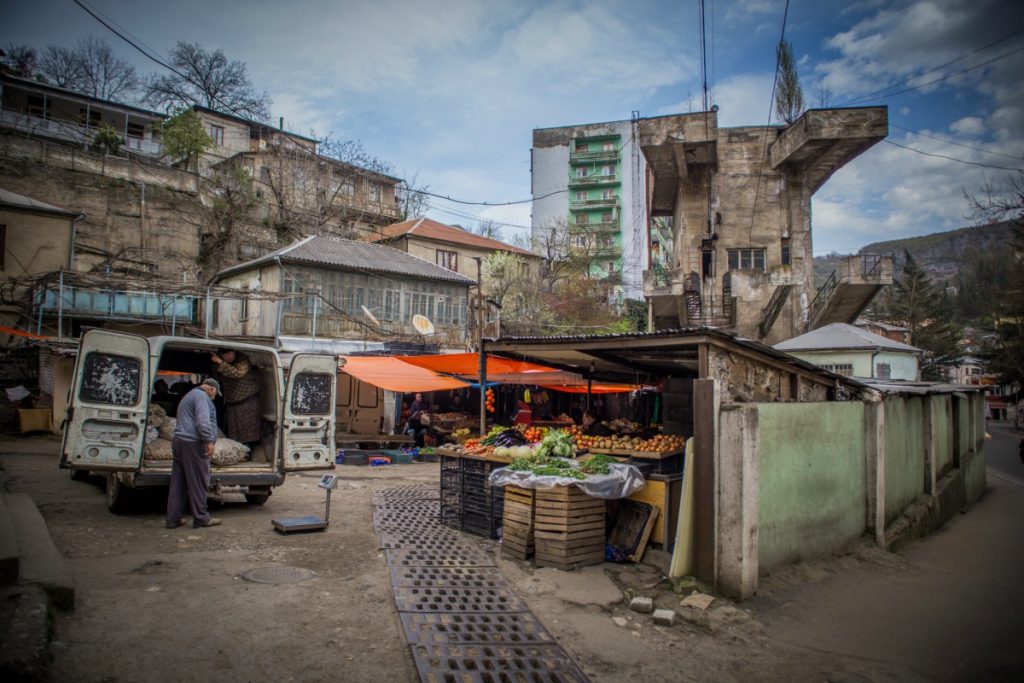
(796, 481)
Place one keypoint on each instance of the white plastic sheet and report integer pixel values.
(620, 482)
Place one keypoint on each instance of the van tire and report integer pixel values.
(257, 498)
(117, 495)
(79, 475)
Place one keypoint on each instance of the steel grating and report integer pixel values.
(448, 577)
(493, 629)
(403, 557)
(458, 600)
(411, 492)
(423, 540)
(495, 664)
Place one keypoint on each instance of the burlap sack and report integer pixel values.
(158, 450)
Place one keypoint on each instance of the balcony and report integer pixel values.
(593, 180)
(597, 155)
(91, 302)
(341, 327)
(70, 131)
(602, 227)
(587, 204)
(597, 253)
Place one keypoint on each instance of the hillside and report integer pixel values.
(940, 253)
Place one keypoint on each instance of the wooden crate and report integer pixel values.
(517, 523)
(569, 528)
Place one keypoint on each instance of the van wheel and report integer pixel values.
(117, 495)
(257, 498)
(79, 475)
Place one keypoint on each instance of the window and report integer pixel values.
(216, 134)
(38, 106)
(607, 218)
(580, 241)
(785, 251)
(243, 308)
(582, 172)
(844, 369)
(107, 378)
(448, 259)
(311, 394)
(582, 147)
(582, 219)
(746, 259)
(373, 189)
(249, 164)
(581, 196)
(883, 371)
(607, 170)
(611, 268)
(608, 194)
(91, 118)
(135, 130)
(608, 147)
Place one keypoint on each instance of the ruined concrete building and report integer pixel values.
(740, 203)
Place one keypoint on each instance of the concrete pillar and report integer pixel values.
(929, 404)
(874, 452)
(737, 477)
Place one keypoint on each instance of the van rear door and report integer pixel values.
(105, 426)
(308, 430)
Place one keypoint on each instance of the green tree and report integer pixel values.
(184, 137)
(107, 140)
(789, 96)
(915, 302)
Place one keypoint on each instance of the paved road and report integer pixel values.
(948, 608)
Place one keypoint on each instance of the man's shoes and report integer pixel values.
(175, 525)
(212, 521)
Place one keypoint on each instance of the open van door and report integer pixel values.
(308, 430)
(105, 427)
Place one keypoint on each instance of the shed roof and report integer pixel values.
(20, 202)
(343, 254)
(431, 229)
(841, 336)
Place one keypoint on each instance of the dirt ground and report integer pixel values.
(170, 605)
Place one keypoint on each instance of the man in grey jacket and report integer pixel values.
(194, 437)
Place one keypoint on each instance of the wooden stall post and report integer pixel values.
(705, 401)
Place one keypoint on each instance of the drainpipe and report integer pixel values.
(280, 303)
(71, 244)
(206, 316)
(60, 307)
(142, 218)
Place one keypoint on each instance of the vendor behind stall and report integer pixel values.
(591, 426)
(523, 414)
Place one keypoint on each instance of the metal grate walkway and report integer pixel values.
(464, 623)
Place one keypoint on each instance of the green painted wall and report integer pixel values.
(942, 418)
(963, 417)
(861, 360)
(904, 454)
(812, 480)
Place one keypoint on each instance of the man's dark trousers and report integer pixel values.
(190, 481)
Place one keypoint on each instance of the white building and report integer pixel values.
(853, 352)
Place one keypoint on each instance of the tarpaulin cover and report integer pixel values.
(390, 373)
(596, 388)
(620, 482)
(469, 364)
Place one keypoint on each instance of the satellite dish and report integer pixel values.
(422, 324)
(371, 316)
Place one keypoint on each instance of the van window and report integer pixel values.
(107, 378)
(312, 394)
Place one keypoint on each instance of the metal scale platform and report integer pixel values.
(289, 525)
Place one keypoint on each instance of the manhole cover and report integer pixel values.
(278, 575)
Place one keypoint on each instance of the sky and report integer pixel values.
(449, 91)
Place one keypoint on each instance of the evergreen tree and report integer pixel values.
(789, 96)
(1003, 347)
(925, 309)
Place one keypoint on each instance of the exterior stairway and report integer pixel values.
(849, 289)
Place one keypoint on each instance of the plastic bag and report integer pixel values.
(620, 482)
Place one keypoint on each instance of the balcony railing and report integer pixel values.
(115, 304)
(587, 204)
(605, 226)
(69, 130)
(597, 155)
(334, 326)
(593, 180)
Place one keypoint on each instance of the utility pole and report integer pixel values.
(480, 343)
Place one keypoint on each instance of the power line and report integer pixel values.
(953, 142)
(949, 158)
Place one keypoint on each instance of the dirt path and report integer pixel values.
(169, 605)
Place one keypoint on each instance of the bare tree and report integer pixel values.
(997, 201)
(21, 59)
(104, 74)
(209, 79)
(413, 198)
(789, 96)
(61, 66)
(229, 206)
(485, 227)
(825, 96)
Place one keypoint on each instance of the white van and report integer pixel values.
(105, 426)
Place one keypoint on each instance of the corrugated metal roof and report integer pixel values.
(431, 229)
(20, 201)
(351, 255)
(842, 336)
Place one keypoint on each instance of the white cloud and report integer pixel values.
(970, 126)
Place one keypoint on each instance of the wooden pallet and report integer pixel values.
(518, 523)
(569, 528)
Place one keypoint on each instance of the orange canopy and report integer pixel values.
(596, 388)
(389, 373)
(469, 364)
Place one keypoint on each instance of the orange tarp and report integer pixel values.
(469, 364)
(596, 388)
(393, 374)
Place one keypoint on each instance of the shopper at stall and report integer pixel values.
(241, 385)
(414, 425)
(592, 427)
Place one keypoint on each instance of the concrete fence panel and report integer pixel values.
(812, 480)
(904, 454)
